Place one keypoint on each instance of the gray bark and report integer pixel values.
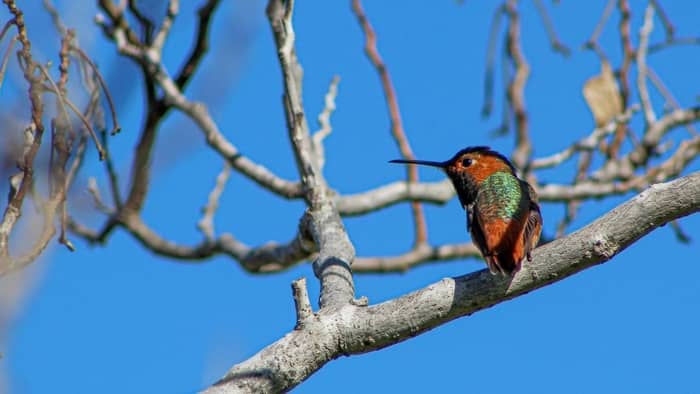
(355, 329)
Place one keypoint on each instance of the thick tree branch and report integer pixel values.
(267, 258)
(336, 252)
(616, 176)
(355, 330)
(149, 58)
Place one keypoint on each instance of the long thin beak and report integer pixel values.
(438, 164)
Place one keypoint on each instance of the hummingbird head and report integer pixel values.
(468, 168)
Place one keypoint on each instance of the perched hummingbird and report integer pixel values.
(503, 214)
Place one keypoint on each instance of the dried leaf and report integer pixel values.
(603, 95)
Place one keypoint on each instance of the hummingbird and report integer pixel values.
(503, 213)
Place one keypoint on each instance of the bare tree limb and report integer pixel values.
(516, 87)
(415, 257)
(615, 177)
(271, 257)
(201, 46)
(166, 25)
(23, 181)
(336, 252)
(397, 130)
(665, 20)
(653, 48)
(647, 108)
(668, 96)
(487, 105)
(593, 40)
(557, 45)
(602, 180)
(301, 301)
(355, 330)
(624, 70)
(324, 121)
(589, 143)
(206, 224)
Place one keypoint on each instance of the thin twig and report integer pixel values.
(60, 98)
(94, 191)
(588, 143)
(397, 130)
(644, 32)
(121, 25)
(205, 14)
(55, 17)
(6, 27)
(162, 34)
(628, 56)
(6, 58)
(206, 224)
(146, 23)
(22, 182)
(670, 99)
(302, 305)
(653, 48)
(115, 121)
(63, 145)
(665, 20)
(487, 105)
(593, 39)
(678, 231)
(77, 161)
(324, 121)
(76, 111)
(557, 45)
(516, 87)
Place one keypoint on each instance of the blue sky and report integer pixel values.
(118, 319)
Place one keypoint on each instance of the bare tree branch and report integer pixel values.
(516, 87)
(397, 130)
(345, 325)
(324, 120)
(557, 45)
(628, 56)
(355, 329)
(415, 257)
(593, 40)
(647, 109)
(206, 224)
(602, 181)
(336, 252)
(201, 46)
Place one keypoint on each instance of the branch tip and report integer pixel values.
(302, 304)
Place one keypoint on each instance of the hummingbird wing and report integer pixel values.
(470, 215)
(476, 229)
(533, 227)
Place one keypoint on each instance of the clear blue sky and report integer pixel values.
(118, 319)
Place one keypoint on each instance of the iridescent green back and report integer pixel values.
(501, 196)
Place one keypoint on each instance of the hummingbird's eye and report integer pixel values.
(466, 162)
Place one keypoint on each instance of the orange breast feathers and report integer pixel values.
(505, 241)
